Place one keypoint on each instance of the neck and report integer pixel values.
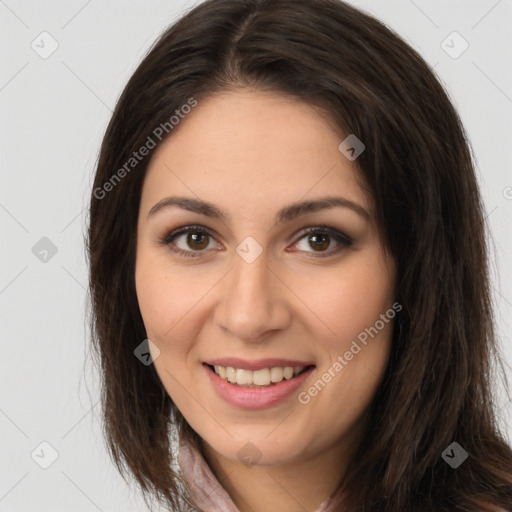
(301, 486)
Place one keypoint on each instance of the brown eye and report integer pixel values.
(197, 240)
(318, 239)
(319, 242)
(190, 241)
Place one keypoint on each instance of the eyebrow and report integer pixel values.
(286, 214)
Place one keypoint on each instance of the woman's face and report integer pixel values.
(253, 289)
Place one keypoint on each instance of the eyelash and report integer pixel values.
(339, 237)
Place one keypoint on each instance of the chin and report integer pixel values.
(255, 451)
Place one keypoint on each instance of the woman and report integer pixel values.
(288, 271)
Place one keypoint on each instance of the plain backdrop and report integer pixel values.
(54, 110)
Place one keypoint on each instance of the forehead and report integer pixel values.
(253, 150)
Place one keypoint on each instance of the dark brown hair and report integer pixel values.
(418, 168)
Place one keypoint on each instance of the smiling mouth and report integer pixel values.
(263, 378)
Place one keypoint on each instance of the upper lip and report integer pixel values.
(257, 364)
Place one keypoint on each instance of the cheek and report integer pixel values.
(161, 297)
(170, 300)
(355, 337)
(349, 299)
(165, 296)
(155, 300)
(164, 304)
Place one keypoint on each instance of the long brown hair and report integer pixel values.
(418, 167)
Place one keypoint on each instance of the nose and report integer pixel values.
(253, 300)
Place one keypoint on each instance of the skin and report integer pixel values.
(251, 153)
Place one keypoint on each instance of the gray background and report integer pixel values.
(54, 111)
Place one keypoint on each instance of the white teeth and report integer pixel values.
(288, 372)
(243, 377)
(231, 374)
(276, 374)
(262, 377)
(221, 370)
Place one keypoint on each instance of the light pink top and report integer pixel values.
(209, 493)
